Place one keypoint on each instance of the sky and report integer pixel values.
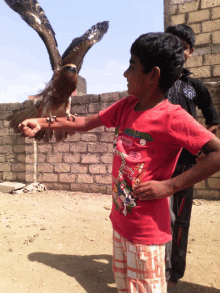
(24, 61)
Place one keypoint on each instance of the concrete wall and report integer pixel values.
(84, 161)
(204, 18)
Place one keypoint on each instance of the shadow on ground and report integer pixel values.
(185, 287)
(92, 272)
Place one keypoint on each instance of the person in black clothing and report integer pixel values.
(189, 93)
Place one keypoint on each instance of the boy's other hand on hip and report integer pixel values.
(152, 190)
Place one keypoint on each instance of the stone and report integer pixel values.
(8, 187)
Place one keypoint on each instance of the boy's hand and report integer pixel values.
(152, 190)
(29, 127)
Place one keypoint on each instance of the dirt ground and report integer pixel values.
(60, 242)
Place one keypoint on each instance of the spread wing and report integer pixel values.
(76, 51)
(32, 13)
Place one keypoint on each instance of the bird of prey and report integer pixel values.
(56, 97)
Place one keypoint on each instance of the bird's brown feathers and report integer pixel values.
(56, 97)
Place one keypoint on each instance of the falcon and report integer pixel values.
(55, 99)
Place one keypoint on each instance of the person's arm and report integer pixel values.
(212, 128)
(31, 126)
(204, 169)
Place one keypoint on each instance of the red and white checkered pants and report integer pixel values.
(138, 268)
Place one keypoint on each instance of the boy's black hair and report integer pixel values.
(163, 50)
(184, 32)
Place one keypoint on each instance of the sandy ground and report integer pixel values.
(60, 242)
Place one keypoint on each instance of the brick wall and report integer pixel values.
(204, 18)
(210, 188)
(83, 162)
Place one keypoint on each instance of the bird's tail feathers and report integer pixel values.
(47, 135)
(35, 111)
(16, 118)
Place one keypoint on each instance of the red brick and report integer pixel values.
(200, 185)
(85, 178)
(98, 147)
(21, 158)
(62, 186)
(9, 176)
(66, 177)
(109, 97)
(29, 158)
(4, 131)
(109, 168)
(80, 147)
(109, 189)
(207, 194)
(62, 167)
(29, 149)
(50, 177)
(29, 177)
(71, 158)
(44, 148)
(214, 182)
(107, 158)
(2, 158)
(8, 139)
(107, 137)
(103, 179)
(97, 169)
(91, 188)
(74, 137)
(18, 167)
(79, 168)
(29, 167)
(57, 158)
(22, 176)
(6, 149)
(61, 148)
(44, 167)
(89, 158)
(88, 137)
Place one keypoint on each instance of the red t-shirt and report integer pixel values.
(146, 147)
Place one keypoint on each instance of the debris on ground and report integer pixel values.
(31, 188)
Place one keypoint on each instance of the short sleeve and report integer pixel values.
(186, 132)
(109, 116)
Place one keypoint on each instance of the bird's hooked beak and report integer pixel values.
(71, 68)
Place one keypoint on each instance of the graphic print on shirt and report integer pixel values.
(122, 197)
(189, 92)
(174, 93)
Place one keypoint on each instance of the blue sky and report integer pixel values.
(24, 62)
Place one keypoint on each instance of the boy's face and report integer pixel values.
(187, 51)
(137, 80)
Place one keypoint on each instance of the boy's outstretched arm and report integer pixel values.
(31, 126)
(204, 169)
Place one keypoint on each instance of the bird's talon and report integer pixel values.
(71, 115)
(51, 119)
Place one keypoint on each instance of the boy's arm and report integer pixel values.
(204, 169)
(31, 126)
(204, 102)
(212, 128)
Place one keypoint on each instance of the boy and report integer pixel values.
(150, 133)
(188, 92)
